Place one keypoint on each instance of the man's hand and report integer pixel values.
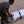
(10, 15)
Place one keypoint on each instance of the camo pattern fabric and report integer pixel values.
(4, 4)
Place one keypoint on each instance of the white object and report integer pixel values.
(16, 15)
(22, 12)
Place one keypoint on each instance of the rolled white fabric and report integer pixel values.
(16, 15)
(22, 12)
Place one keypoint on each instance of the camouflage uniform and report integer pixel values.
(3, 4)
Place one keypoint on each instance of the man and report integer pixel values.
(4, 7)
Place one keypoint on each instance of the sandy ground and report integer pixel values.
(18, 4)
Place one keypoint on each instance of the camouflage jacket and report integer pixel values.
(4, 4)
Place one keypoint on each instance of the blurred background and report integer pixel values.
(18, 4)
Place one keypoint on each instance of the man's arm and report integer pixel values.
(8, 11)
(5, 9)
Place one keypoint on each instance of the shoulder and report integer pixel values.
(6, 4)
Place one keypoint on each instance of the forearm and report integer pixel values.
(8, 11)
